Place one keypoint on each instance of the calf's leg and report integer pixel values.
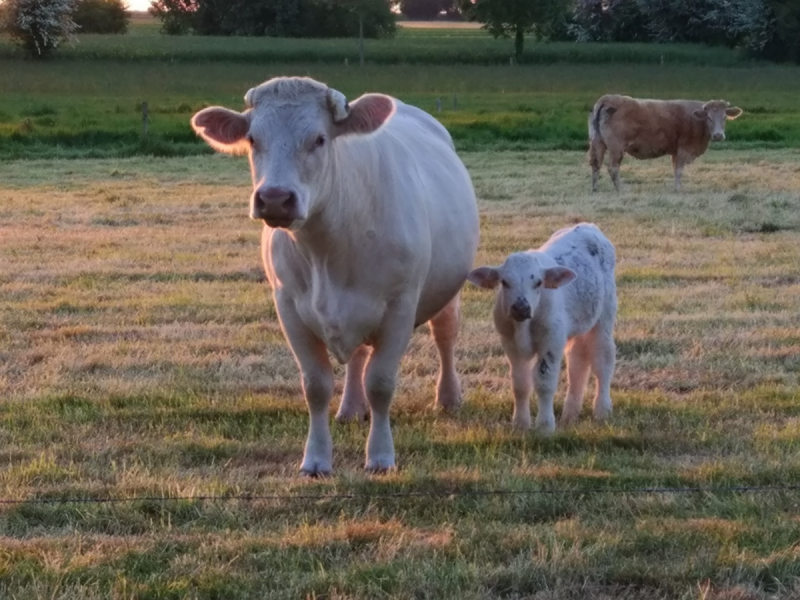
(354, 398)
(578, 364)
(545, 382)
(317, 379)
(444, 328)
(603, 357)
(522, 383)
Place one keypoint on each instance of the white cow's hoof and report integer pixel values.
(602, 414)
(352, 416)
(315, 472)
(380, 466)
(570, 418)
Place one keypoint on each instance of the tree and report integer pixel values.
(39, 26)
(424, 10)
(504, 18)
(101, 16)
(279, 18)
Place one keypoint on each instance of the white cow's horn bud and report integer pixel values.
(248, 98)
(338, 104)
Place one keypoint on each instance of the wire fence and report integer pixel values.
(711, 490)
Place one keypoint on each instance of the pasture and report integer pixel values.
(141, 357)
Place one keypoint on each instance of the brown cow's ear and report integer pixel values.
(733, 112)
(700, 114)
(223, 129)
(366, 115)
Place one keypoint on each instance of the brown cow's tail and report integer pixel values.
(597, 146)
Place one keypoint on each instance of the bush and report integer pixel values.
(101, 16)
(609, 21)
(279, 18)
(38, 26)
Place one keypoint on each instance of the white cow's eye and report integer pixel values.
(251, 140)
(320, 141)
(537, 285)
(504, 283)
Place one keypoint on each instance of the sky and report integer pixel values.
(138, 4)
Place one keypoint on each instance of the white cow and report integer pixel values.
(371, 229)
(538, 316)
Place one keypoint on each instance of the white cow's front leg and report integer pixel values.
(522, 384)
(317, 379)
(545, 382)
(379, 380)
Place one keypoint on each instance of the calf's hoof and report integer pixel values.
(545, 427)
(602, 414)
(570, 418)
(314, 473)
(448, 396)
(316, 468)
(521, 423)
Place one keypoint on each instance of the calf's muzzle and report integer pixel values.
(276, 206)
(520, 310)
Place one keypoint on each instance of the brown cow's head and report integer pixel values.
(289, 130)
(715, 113)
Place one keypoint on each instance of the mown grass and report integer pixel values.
(140, 355)
(68, 109)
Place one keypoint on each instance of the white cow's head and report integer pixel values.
(715, 113)
(289, 130)
(522, 278)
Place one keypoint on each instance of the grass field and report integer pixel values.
(140, 355)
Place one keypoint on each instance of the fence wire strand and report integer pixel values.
(711, 490)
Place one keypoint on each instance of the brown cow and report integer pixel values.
(653, 128)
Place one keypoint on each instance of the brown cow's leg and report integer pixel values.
(677, 165)
(614, 161)
(354, 398)
(597, 152)
(444, 327)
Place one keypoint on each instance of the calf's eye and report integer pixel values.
(537, 285)
(320, 141)
(504, 283)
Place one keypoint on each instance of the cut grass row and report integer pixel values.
(139, 355)
(93, 108)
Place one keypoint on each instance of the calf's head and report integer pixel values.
(715, 113)
(289, 130)
(521, 279)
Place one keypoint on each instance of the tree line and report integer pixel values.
(768, 29)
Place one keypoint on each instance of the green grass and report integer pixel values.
(409, 46)
(140, 355)
(93, 108)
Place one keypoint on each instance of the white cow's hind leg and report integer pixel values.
(380, 377)
(317, 379)
(354, 398)
(444, 327)
(578, 363)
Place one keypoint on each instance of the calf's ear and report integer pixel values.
(365, 115)
(485, 277)
(700, 114)
(555, 277)
(733, 112)
(223, 129)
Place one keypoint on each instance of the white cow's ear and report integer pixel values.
(700, 114)
(485, 277)
(366, 115)
(555, 277)
(223, 129)
(733, 112)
